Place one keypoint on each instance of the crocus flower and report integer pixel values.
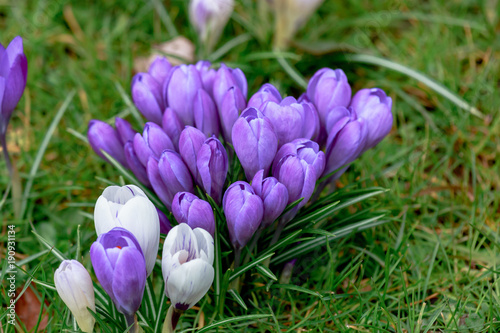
(74, 286)
(124, 130)
(291, 120)
(254, 141)
(157, 183)
(197, 213)
(209, 17)
(165, 225)
(128, 207)
(274, 196)
(159, 69)
(233, 103)
(135, 164)
(147, 96)
(187, 260)
(180, 90)
(172, 126)
(206, 117)
(13, 74)
(244, 211)
(190, 142)
(305, 149)
(226, 78)
(152, 142)
(119, 266)
(103, 136)
(327, 89)
(345, 143)
(207, 75)
(174, 173)
(267, 92)
(212, 163)
(374, 106)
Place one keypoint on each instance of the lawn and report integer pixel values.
(431, 267)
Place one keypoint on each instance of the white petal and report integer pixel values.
(110, 191)
(103, 219)
(205, 245)
(125, 193)
(190, 282)
(181, 237)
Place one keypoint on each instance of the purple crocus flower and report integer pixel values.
(244, 211)
(152, 142)
(232, 105)
(180, 90)
(160, 69)
(305, 149)
(334, 115)
(190, 142)
(226, 78)
(212, 163)
(103, 136)
(274, 196)
(165, 225)
(254, 141)
(207, 75)
(174, 173)
(156, 181)
(172, 125)
(124, 129)
(119, 266)
(267, 92)
(197, 213)
(206, 117)
(374, 106)
(13, 74)
(135, 164)
(147, 96)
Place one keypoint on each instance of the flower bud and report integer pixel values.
(135, 164)
(226, 78)
(274, 196)
(207, 75)
(152, 142)
(165, 225)
(244, 211)
(159, 69)
(209, 17)
(190, 142)
(212, 163)
(187, 260)
(197, 213)
(124, 130)
(147, 96)
(13, 74)
(267, 92)
(103, 136)
(254, 141)
(172, 126)
(129, 207)
(374, 106)
(74, 286)
(180, 90)
(327, 89)
(174, 173)
(335, 114)
(305, 149)
(206, 118)
(119, 266)
(232, 104)
(160, 188)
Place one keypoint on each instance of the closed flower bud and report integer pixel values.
(74, 286)
(174, 173)
(103, 136)
(165, 225)
(190, 142)
(345, 143)
(125, 130)
(335, 114)
(187, 265)
(207, 75)
(267, 92)
(244, 211)
(119, 266)
(180, 89)
(226, 78)
(209, 17)
(232, 105)
(147, 96)
(128, 207)
(254, 141)
(311, 127)
(172, 126)
(159, 69)
(206, 117)
(374, 106)
(152, 143)
(212, 163)
(327, 89)
(157, 183)
(197, 213)
(274, 196)
(13, 74)
(305, 149)
(135, 164)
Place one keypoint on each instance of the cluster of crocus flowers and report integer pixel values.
(125, 252)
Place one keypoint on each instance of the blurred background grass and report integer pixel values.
(433, 267)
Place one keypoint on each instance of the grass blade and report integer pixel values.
(232, 320)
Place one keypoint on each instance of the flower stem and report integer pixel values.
(133, 324)
(6, 155)
(237, 257)
(171, 319)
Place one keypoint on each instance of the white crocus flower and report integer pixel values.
(128, 207)
(74, 286)
(187, 265)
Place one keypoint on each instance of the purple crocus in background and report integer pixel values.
(254, 141)
(147, 96)
(152, 142)
(244, 211)
(120, 267)
(172, 126)
(197, 213)
(174, 174)
(213, 164)
(103, 136)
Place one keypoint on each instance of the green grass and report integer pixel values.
(433, 267)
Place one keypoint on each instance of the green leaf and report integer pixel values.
(266, 272)
(236, 296)
(247, 318)
(249, 266)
